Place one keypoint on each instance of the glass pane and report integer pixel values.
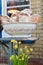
(12, 3)
(17, 2)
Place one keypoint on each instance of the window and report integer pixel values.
(14, 4)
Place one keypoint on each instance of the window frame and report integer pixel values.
(4, 7)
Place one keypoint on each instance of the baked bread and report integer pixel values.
(5, 19)
(14, 18)
(25, 16)
(13, 11)
(35, 18)
(27, 11)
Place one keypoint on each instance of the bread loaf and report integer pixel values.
(14, 18)
(27, 11)
(23, 17)
(36, 18)
(13, 11)
(5, 19)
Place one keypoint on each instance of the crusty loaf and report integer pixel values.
(36, 18)
(23, 17)
(5, 19)
(27, 11)
(14, 18)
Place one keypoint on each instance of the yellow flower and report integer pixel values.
(21, 49)
(23, 58)
(19, 42)
(28, 57)
(25, 47)
(31, 49)
(15, 46)
(11, 57)
(13, 41)
(23, 54)
(27, 50)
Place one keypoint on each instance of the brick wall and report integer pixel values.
(37, 7)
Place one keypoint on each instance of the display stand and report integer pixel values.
(5, 41)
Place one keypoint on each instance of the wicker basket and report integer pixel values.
(21, 28)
